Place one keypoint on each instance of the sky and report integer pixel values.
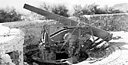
(18, 4)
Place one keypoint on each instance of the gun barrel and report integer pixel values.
(50, 15)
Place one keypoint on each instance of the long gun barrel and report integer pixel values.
(49, 15)
(68, 22)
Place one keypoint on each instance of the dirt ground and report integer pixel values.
(120, 51)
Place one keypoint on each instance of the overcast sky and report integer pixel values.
(18, 4)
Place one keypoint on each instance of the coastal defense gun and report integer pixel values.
(71, 41)
(66, 22)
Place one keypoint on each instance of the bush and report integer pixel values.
(9, 15)
(93, 9)
(60, 10)
(56, 9)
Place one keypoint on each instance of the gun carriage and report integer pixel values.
(71, 43)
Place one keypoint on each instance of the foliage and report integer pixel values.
(45, 6)
(93, 9)
(9, 15)
(57, 9)
(78, 10)
(60, 10)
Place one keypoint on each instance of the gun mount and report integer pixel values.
(71, 41)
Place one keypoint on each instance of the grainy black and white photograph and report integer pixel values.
(63, 32)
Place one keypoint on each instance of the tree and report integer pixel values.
(93, 9)
(90, 9)
(86, 10)
(60, 10)
(45, 6)
(9, 15)
(77, 10)
(56, 9)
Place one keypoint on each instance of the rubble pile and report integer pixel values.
(11, 46)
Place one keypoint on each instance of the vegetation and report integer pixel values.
(57, 9)
(93, 9)
(7, 15)
(60, 10)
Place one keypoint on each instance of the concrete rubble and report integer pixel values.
(11, 40)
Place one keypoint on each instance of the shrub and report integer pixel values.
(9, 15)
(57, 9)
(93, 9)
(60, 10)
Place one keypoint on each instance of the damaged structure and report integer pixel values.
(69, 42)
(11, 46)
